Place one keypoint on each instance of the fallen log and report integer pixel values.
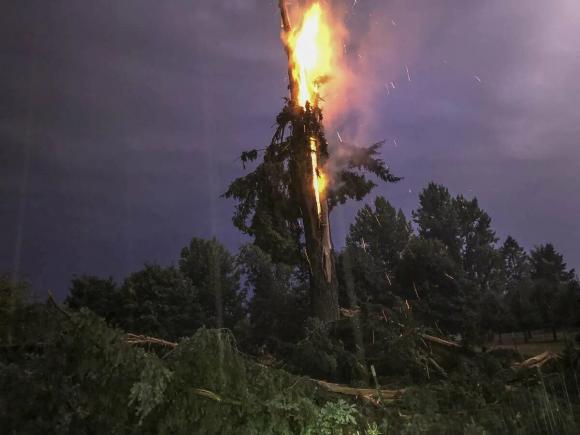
(441, 341)
(369, 394)
(537, 361)
(143, 339)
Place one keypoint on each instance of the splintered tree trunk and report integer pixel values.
(319, 253)
(315, 218)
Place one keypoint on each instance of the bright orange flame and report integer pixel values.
(316, 174)
(312, 57)
(310, 48)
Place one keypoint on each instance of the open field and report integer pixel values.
(541, 341)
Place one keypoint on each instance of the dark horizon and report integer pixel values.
(122, 123)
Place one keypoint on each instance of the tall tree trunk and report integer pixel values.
(306, 139)
(319, 252)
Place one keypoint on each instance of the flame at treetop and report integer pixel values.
(311, 64)
(311, 54)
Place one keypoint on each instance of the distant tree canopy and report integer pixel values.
(278, 305)
(63, 369)
(374, 247)
(169, 302)
(211, 269)
(554, 287)
(450, 274)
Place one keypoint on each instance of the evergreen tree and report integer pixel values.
(437, 219)
(463, 227)
(551, 281)
(465, 231)
(12, 300)
(211, 269)
(279, 296)
(162, 302)
(269, 207)
(516, 263)
(518, 286)
(375, 244)
(439, 286)
(100, 295)
(479, 258)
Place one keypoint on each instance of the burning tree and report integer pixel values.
(284, 204)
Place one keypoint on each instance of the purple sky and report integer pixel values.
(121, 121)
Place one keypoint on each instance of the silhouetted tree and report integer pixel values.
(279, 296)
(518, 286)
(441, 286)
(550, 283)
(375, 244)
(100, 295)
(437, 219)
(211, 269)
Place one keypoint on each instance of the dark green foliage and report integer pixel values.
(211, 269)
(480, 259)
(326, 352)
(12, 301)
(100, 295)
(554, 287)
(161, 301)
(518, 286)
(375, 244)
(279, 297)
(158, 301)
(169, 302)
(464, 228)
(87, 379)
(437, 218)
(68, 372)
(268, 208)
(441, 285)
(350, 182)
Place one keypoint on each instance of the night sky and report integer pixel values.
(121, 121)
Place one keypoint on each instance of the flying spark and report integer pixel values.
(408, 75)
(477, 78)
(339, 138)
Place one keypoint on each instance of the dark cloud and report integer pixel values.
(120, 122)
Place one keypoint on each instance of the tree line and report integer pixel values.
(445, 267)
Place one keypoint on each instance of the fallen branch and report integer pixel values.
(369, 394)
(143, 339)
(441, 341)
(537, 361)
(349, 313)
